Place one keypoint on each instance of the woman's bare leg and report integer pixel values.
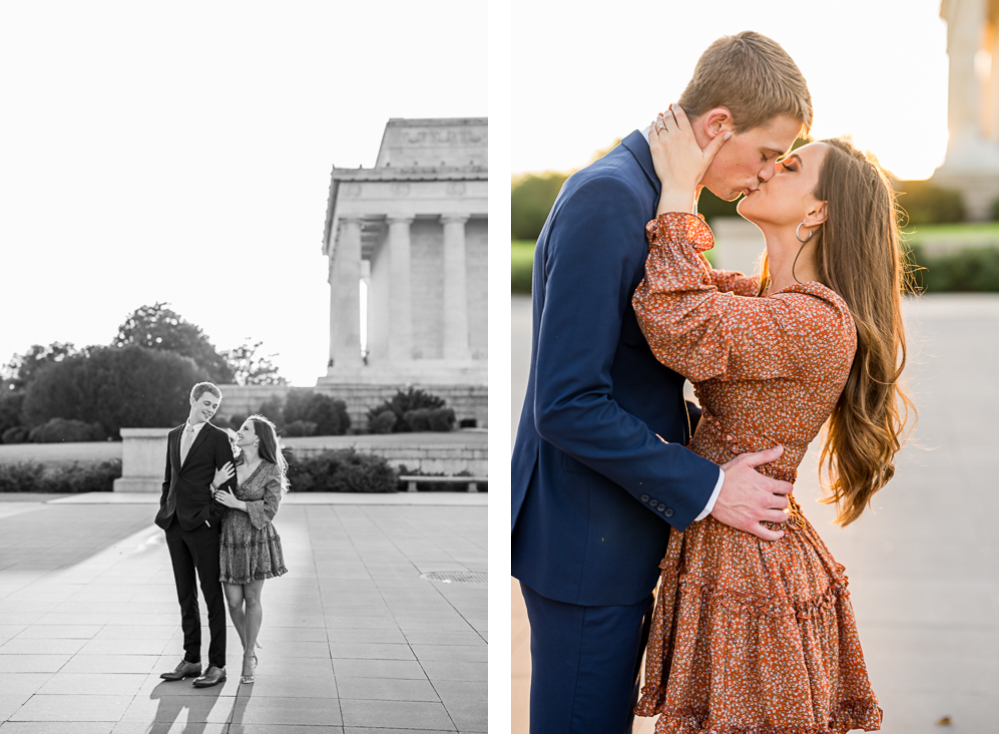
(235, 598)
(254, 616)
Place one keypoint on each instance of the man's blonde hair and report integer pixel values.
(753, 77)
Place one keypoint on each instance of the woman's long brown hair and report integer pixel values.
(858, 257)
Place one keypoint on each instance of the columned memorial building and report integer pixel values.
(405, 243)
(971, 163)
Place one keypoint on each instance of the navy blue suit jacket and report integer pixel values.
(594, 491)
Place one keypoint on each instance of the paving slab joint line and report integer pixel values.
(423, 499)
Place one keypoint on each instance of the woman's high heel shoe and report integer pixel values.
(250, 659)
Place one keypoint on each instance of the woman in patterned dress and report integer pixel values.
(750, 635)
(250, 549)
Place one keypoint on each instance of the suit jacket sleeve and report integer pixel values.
(166, 475)
(589, 267)
(223, 452)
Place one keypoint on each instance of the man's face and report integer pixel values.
(203, 408)
(748, 158)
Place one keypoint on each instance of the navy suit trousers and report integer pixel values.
(584, 664)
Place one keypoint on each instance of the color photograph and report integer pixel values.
(754, 367)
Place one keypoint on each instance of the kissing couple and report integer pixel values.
(216, 508)
(619, 484)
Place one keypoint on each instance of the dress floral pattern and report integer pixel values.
(250, 549)
(749, 636)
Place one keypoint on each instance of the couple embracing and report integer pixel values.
(217, 519)
(618, 483)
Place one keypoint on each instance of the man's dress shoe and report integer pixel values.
(182, 671)
(213, 676)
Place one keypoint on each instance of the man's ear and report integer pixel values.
(816, 214)
(717, 121)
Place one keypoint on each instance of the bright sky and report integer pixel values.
(181, 152)
(586, 74)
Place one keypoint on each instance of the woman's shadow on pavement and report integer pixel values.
(193, 708)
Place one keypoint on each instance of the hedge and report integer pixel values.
(132, 386)
(344, 470)
(31, 476)
(63, 430)
(403, 403)
(970, 270)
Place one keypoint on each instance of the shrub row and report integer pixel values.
(413, 410)
(300, 413)
(532, 196)
(341, 471)
(972, 270)
(31, 476)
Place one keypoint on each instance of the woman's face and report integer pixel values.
(787, 197)
(246, 435)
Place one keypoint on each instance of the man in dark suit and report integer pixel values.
(192, 520)
(595, 490)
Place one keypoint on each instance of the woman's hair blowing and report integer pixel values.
(858, 257)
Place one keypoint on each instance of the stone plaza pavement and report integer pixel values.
(354, 640)
(923, 567)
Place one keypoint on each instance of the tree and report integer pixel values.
(531, 197)
(158, 327)
(22, 368)
(131, 386)
(252, 368)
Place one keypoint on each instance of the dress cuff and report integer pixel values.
(681, 227)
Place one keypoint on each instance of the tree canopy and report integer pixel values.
(22, 368)
(159, 327)
(131, 386)
(250, 367)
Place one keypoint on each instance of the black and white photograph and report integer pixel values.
(244, 409)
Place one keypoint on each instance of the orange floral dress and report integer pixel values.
(748, 635)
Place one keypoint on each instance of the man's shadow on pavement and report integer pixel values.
(177, 697)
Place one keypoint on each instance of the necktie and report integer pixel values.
(186, 440)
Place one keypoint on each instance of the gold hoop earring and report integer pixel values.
(811, 233)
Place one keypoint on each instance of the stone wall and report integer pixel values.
(429, 459)
(468, 401)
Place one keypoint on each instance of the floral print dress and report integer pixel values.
(749, 635)
(250, 549)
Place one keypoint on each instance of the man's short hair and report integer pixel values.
(753, 77)
(203, 387)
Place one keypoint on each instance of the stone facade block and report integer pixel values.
(144, 454)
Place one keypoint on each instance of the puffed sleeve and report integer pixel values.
(703, 333)
(262, 511)
(730, 281)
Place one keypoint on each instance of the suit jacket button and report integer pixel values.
(644, 498)
(668, 512)
(661, 508)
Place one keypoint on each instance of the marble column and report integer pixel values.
(345, 298)
(400, 299)
(965, 26)
(456, 305)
